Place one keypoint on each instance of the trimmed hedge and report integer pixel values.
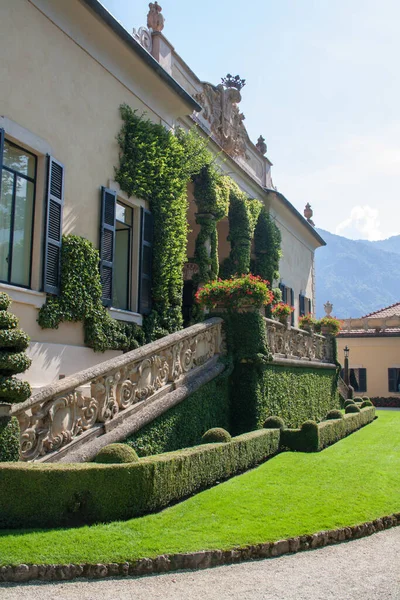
(260, 389)
(313, 437)
(184, 424)
(87, 493)
(392, 402)
(9, 439)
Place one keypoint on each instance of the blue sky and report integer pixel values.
(323, 88)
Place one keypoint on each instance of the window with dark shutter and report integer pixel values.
(53, 229)
(309, 306)
(146, 259)
(107, 243)
(362, 380)
(394, 380)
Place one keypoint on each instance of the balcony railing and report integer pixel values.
(297, 344)
(62, 412)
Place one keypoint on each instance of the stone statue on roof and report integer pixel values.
(155, 20)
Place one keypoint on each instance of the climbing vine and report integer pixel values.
(80, 300)
(157, 165)
(243, 215)
(267, 247)
(211, 193)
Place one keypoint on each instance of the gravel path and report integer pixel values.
(368, 568)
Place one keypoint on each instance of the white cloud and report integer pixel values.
(363, 223)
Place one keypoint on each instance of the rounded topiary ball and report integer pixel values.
(217, 435)
(309, 426)
(274, 422)
(5, 301)
(334, 414)
(357, 399)
(348, 402)
(366, 403)
(116, 454)
(352, 408)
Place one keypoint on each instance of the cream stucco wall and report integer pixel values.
(63, 76)
(377, 355)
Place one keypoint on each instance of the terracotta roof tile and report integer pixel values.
(389, 311)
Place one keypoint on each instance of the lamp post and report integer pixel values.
(346, 365)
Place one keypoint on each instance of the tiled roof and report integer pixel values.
(389, 311)
(370, 332)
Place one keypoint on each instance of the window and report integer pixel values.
(122, 259)
(288, 298)
(304, 305)
(17, 202)
(358, 379)
(394, 380)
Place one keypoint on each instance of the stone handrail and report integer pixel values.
(61, 412)
(296, 344)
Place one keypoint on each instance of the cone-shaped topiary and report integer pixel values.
(352, 408)
(9, 439)
(274, 422)
(215, 436)
(13, 360)
(334, 414)
(116, 454)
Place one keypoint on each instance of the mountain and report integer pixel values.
(357, 276)
(392, 244)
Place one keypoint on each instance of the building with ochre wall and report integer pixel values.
(374, 352)
(60, 94)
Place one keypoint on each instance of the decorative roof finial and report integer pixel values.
(308, 213)
(233, 82)
(261, 145)
(328, 306)
(155, 20)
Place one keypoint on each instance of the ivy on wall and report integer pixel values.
(81, 300)
(243, 215)
(184, 424)
(267, 247)
(211, 193)
(157, 165)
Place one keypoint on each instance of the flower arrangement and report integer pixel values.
(307, 322)
(230, 294)
(282, 310)
(329, 325)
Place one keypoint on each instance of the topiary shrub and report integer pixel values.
(348, 402)
(352, 408)
(13, 360)
(9, 439)
(309, 430)
(274, 422)
(366, 403)
(217, 435)
(365, 398)
(358, 399)
(334, 414)
(116, 454)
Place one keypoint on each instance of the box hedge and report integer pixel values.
(52, 495)
(312, 438)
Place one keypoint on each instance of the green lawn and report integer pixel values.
(356, 480)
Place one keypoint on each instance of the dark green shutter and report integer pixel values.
(392, 380)
(107, 243)
(309, 306)
(1, 153)
(362, 377)
(146, 260)
(292, 304)
(302, 305)
(53, 226)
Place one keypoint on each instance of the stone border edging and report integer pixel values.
(196, 560)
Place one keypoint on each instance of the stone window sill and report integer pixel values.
(23, 295)
(126, 315)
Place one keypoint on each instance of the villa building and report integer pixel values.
(66, 68)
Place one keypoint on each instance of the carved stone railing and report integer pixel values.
(61, 412)
(297, 344)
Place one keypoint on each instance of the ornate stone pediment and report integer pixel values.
(221, 111)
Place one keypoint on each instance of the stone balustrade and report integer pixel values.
(296, 344)
(61, 413)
